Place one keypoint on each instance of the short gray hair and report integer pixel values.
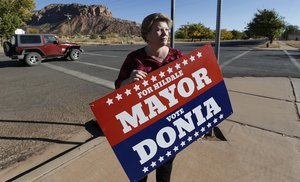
(150, 19)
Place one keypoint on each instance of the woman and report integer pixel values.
(155, 32)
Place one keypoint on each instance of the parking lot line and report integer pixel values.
(233, 59)
(97, 65)
(83, 76)
(103, 55)
(293, 60)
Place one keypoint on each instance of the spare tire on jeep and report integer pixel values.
(7, 47)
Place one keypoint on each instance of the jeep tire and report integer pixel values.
(74, 54)
(33, 59)
(7, 47)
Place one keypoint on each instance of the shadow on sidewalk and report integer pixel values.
(93, 128)
(49, 139)
(215, 134)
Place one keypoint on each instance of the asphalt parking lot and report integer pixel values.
(48, 105)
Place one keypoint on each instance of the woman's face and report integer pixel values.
(159, 34)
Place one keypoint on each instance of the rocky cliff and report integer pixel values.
(81, 19)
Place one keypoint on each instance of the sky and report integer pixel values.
(235, 13)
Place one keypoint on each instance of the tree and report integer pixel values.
(194, 31)
(290, 29)
(237, 35)
(182, 32)
(266, 23)
(14, 14)
(226, 35)
(199, 31)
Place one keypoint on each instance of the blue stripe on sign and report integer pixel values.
(167, 138)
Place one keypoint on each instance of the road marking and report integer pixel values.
(112, 56)
(293, 60)
(97, 65)
(83, 76)
(233, 59)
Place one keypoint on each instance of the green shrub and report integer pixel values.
(94, 36)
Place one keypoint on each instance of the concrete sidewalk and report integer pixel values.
(263, 143)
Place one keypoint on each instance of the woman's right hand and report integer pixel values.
(135, 75)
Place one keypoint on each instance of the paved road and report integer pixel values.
(48, 104)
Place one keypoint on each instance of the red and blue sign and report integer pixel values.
(150, 121)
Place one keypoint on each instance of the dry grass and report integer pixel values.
(275, 44)
(293, 43)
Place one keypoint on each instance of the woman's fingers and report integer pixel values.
(138, 75)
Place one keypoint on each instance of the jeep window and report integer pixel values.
(49, 39)
(30, 39)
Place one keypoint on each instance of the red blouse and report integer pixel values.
(139, 60)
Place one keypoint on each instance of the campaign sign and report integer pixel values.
(150, 121)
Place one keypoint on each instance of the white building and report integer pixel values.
(294, 36)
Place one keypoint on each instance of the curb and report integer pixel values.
(59, 162)
(296, 88)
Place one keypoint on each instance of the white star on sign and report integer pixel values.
(215, 120)
(153, 78)
(175, 149)
(208, 125)
(202, 129)
(221, 116)
(170, 70)
(119, 96)
(196, 134)
(184, 62)
(128, 92)
(145, 169)
(199, 54)
(109, 101)
(192, 58)
(153, 164)
(161, 158)
(145, 83)
(182, 143)
(136, 87)
(177, 66)
(168, 153)
(189, 139)
(162, 74)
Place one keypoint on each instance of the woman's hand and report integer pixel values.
(137, 75)
(134, 76)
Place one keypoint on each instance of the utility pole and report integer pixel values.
(1, 33)
(173, 20)
(218, 29)
(69, 23)
(217, 45)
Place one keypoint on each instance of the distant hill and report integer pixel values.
(84, 20)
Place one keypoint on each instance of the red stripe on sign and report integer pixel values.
(132, 108)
